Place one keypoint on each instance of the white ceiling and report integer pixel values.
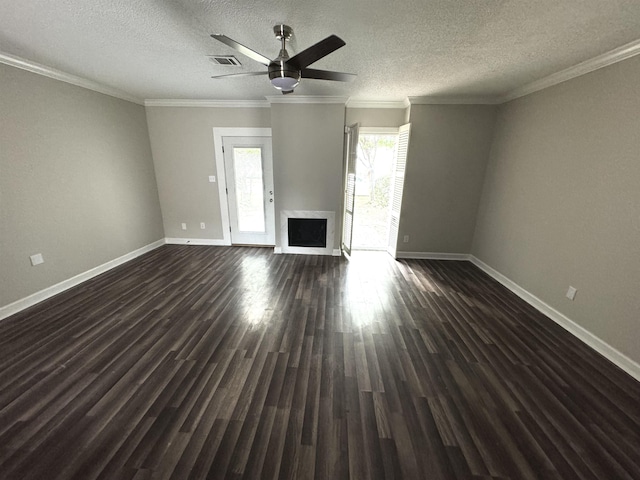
(156, 49)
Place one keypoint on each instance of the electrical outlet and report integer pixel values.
(212, 179)
(406, 239)
(36, 259)
(202, 226)
(571, 293)
(184, 226)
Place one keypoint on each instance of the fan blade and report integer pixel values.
(327, 75)
(242, 49)
(316, 52)
(243, 74)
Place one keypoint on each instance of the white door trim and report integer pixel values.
(218, 133)
(266, 237)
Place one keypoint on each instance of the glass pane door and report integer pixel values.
(248, 166)
(249, 188)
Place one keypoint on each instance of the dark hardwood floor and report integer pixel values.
(221, 362)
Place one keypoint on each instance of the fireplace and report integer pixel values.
(308, 232)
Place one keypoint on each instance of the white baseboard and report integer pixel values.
(599, 345)
(336, 252)
(218, 242)
(48, 292)
(433, 255)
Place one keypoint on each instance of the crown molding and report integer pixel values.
(617, 55)
(614, 56)
(378, 104)
(305, 99)
(206, 103)
(462, 100)
(33, 67)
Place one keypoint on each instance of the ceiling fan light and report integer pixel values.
(285, 83)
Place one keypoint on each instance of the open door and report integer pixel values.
(351, 154)
(397, 187)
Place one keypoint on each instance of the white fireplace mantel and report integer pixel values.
(285, 215)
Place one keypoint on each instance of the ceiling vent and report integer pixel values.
(228, 60)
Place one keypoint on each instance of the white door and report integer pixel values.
(397, 188)
(351, 155)
(248, 168)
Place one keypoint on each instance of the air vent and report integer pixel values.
(228, 60)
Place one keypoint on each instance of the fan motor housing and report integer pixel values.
(280, 69)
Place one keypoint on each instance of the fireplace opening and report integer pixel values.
(307, 232)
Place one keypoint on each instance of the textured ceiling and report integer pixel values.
(155, 49)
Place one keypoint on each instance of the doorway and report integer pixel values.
(248, 177)
(376, 154)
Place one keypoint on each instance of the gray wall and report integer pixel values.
(377, 117)
(307, 159)
(184, 157)
(76, 181)
(448, 152)
(559, 206)
(561, 200)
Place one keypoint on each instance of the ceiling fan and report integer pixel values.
(284, 72)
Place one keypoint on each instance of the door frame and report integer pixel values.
(384, 131)
(218, 133)
(266, 237)
(350, 161)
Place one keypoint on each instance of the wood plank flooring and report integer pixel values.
(223, 362)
